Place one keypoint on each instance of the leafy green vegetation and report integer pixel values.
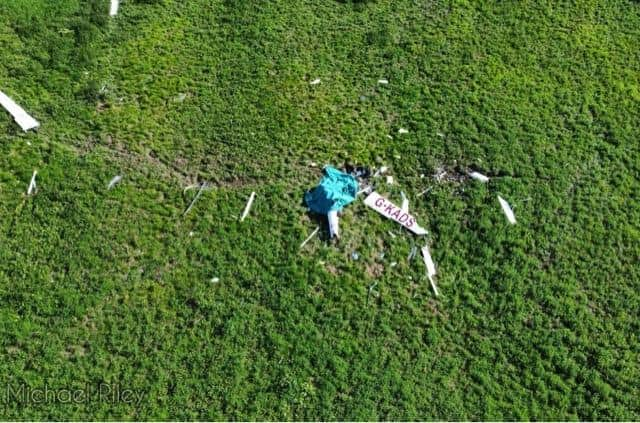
(535, 321)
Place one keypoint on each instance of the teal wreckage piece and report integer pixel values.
(336, 190)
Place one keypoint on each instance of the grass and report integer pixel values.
(535, 321)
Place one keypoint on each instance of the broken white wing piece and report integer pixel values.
(479, 177)
(405, 203)
(309, 237)
(32, 185)
(21, 117)
(431, 268)
(248, 206)
(403, 131)
(506, 208)
(383, 81)
(334, 224)
(315, 82)
(115, 181)
(393, 212)
(114, 7)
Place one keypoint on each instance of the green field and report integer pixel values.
(538, 320)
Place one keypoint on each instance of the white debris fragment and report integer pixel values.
(431, 268)
(202, 187)
(403, 131)
(22, 118)
(310, 236)
(334, 224)
(506, 208)
(215, 280)
(393, 212)
(392, 234)
(113, 10)
(405, 203)
(390, 180)
(248, 206)
(383, 81)
(380, 171)
(191, 233)
(32, 185)
(390, 137)
(115, 181)
(479, 177)
(315, 82)
(365, 190)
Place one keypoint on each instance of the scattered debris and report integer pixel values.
(403, 131)
(412, 253)
(383, 81)
(191, 233)
(202, 187)
(393, 264)
(431, 268)
(380, 171)
(479, 177)
(506, 208)
(405, 203)
(425, 191)
(310, 236)
(393, 212)
(22, 118)
(248, 206)
(390, 137)
(114, 7)
(32, 185)
(372, 290)
(355, 255)
(215, 280)
(392, 234)
(315, 82)
(335, 191)
(365, 190)
(115, 181)
(389, 180)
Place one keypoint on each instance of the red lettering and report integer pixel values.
(379, 202)
(396, 214)
(410, 222)
(404, 218)
(389, 208)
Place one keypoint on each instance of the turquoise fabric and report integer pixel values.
(336, 190)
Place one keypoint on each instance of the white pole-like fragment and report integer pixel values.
(115, 181)
(479, 177)
(383, 81)
(506, 208)
(248, 206)
(315, 82)
(114, 7)
(310, 236)
(32, 185)
(403, 131)
(202, 187)
(22, 118)
(431, 268)
(334, 224)
(405, 203)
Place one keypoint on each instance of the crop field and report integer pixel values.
(202, 316)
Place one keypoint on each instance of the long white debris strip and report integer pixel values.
(506, 208)
(405, 203)
(334, 224)
(431, 268)
(202, 187)
(393, 212)
(115, 181)
(32, 185)
(248, 206)
(479, 177)
(21, 117)
(114, 7)
(309, 237)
